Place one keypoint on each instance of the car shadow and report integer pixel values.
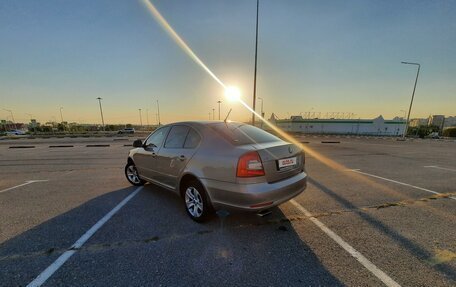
(412, 247)
(240, 249)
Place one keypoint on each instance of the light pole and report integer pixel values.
(413, 95)
(12, 117)
(61, 115)
(158, 113)
(147, 115)
(255, 71)
(101, 112)
(219, 103)
(140, 117)
(213, 114)
(262, 113)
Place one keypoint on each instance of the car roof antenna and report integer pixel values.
(228, 115)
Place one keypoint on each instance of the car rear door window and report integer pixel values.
(192, 140)
(241, 134)
(156, 139)
(176, 137)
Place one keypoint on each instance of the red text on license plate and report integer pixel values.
(287, 162)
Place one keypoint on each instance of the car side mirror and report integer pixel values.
(137, 143)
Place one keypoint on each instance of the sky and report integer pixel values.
(318, 56)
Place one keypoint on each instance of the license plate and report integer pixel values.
(287, 162)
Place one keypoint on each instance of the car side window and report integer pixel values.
(156, 139)
(176, 137)
(192, 140)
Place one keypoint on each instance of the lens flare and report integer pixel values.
(233, 94)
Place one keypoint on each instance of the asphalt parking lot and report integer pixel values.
(376, 212)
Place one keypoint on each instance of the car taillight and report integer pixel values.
(249, 165)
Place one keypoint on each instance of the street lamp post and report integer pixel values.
(101, 112)
(413, 95)
(158, 113)
(219, 103)
(147, 115)
(61, 115)
(140, 117)
(61, 119)
(255, 71)
(213, 114)
(262, 113)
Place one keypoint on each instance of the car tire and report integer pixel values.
(132, 174)
(196, 202)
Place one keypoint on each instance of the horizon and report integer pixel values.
(155, 124)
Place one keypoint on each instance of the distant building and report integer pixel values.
(377, 126)
(414, 123)
(9, 125)
(449, 122)
(436, 120)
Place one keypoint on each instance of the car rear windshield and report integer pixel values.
(241, 134)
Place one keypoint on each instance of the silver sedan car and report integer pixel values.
(219, 165)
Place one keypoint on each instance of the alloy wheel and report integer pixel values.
(194, 202)
(132, 174)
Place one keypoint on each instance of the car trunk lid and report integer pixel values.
(280, 160)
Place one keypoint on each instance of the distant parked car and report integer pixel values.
(214, 165)
(127, 131)
(15, 133)
(434, 135)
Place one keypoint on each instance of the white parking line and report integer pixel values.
(388, 281)
(38, 281)
(438, 167)
(397, 182)
(25, 183)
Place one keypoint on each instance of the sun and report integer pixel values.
(233, 94)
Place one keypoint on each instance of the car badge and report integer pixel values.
(290, 149)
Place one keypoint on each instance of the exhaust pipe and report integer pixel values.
(263, 213)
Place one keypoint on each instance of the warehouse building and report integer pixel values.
(377, 126)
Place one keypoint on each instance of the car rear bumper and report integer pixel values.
(250, 197)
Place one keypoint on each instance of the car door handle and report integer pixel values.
(182, 157)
